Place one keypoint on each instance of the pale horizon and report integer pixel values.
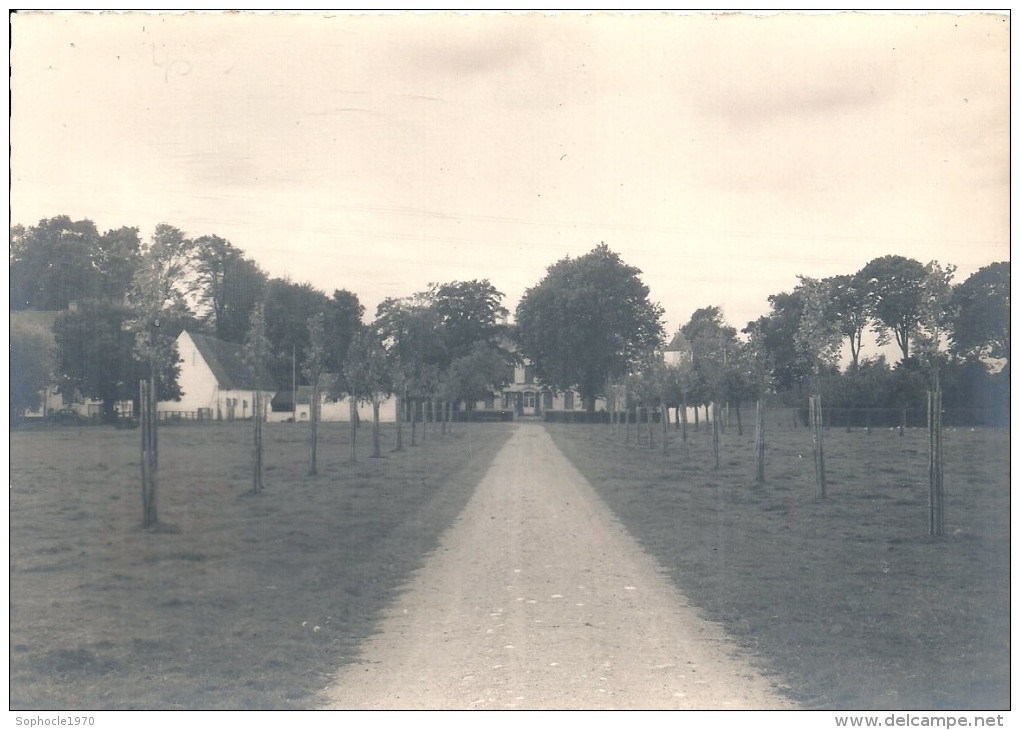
(721, 155)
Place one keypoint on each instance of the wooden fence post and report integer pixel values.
(665, 427)
(683, 425)
(148, 416)
(936, 500)
(715, 430)
(815, 412)
(759, 442)
(256, 446)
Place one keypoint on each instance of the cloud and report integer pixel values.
(465, 47)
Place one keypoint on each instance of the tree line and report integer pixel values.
(589, 325)
(950, 337)
(123, 302)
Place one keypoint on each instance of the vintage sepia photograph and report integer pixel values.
(510, 361)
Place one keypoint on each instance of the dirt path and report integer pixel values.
(537, 598)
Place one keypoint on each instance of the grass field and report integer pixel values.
(253, 602)
(846, 600)
(237, 601)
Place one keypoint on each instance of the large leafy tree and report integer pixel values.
(115, 259)
(50, 263)
(158, 296)
(935, 318)
(848, 304)
(342, 321)
(31, 363)
(776, 341)
(469, 312)
(472, 377)
(228, 287)
(95, 355)
(981, 322)
(895, 286)
(715, 354)
(819, 335)
(411, 331)
(288, 306)
(587, 321)
(59, 261)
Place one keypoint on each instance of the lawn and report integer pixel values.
(236, 601)
(846, 601)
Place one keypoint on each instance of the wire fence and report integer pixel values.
(873, 417)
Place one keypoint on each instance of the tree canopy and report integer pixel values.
(980, 309)
(469, 312)
(59, 261)
(228, 287)
(94, 354)
(31, 366)
(895, 287)
(588, 320)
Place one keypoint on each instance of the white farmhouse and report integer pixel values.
(288, 408)
(215, 382)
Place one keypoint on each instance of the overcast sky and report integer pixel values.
(721, 155)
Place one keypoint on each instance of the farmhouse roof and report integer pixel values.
(675, 345)
(284, 399)
(226, 360)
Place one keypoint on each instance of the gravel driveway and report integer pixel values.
(537, 598)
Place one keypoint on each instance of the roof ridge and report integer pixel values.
(226, 360)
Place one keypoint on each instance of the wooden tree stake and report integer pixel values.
(759, 442)
(936, 497)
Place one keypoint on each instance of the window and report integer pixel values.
(568, 400)
(529, 375)
(529, 400)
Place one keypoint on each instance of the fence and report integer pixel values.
(575, 417)
(201, 415)
(910, 417)
(785, 417)
(483, 416)
(887, 417)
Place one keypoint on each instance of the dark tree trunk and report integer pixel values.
(665, 428)
(759, 442)
(683, 422)
(815, 411)
(936, 495)
(256, 424)
(376, 445)
(354, 428)
(313, 431)
(399, 413)
(715, 431)
(147, 414)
